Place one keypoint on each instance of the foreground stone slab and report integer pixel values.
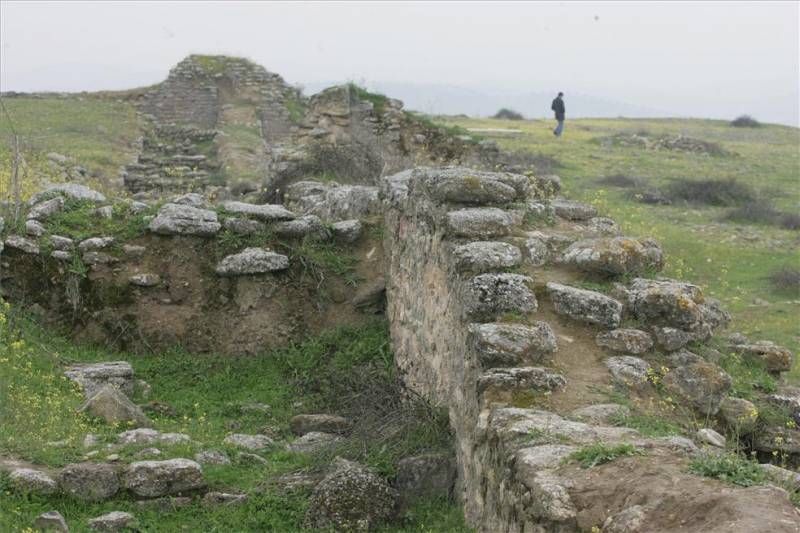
(571, 210)
(51, 521)
(529, 378)
(586, 306)
(112, 522)
(483, 256)
(72, 191)
(252, 261)
(499, 344)
(30, 481)
(615, 256)
(632, 341)
(90, 482)
(488, 296)
(94, 376)
(479, 222)
(265, 212)
(110, 404)
(162, 478)
(177, 219)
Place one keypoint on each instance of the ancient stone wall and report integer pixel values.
(480, 326)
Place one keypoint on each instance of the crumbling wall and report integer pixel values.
(466, 313)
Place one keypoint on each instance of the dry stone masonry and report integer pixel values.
(467, 335)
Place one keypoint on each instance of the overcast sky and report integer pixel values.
(715, 59)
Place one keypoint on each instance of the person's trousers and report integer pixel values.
(559, 128)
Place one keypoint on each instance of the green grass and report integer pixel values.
(97, 133)
(648, 425)
(79, 221)
(347, 370)
(731, 261)
(378, 100)
(730, 467)
(600, 453)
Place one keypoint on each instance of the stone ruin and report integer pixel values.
(481, 275)
(342, 131)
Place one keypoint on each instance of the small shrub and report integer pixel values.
(508, 114)
(789, 221)
(759, 212)
(730, 467)
(786, 279)
(726, 192)
(745, 121)
(601, 453)
(620, 180)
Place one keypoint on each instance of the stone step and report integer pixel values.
(585, 306)
(498, 344)
(521, 378)
(484, 256)
(479, 222)
(488, 296)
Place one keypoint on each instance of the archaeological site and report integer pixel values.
(277, 312)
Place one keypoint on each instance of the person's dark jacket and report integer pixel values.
(558, 107)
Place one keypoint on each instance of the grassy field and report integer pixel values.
(98, 134)
(732, 261)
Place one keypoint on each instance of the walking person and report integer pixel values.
(558, 107)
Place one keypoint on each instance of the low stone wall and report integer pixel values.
(464, 308)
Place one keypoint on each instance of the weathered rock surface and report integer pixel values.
(95, 243)
(212, 457)
(425, 476)
(113, 522)
(601, 413)
(90, 482)
(176, 219)
(479, 222)
(615, 256)
(521, 378)
(243, 226)
(151, 436)
(739, 414)
(628, 371)
(488, 296)
(586, 306)
(47, 208)
(265, 213)
(72, 191)
(216, 499)
(313, 442)
(483, 256)
(571, 210)
(775, 358)
(161, 478)
(331, 201)
(710, 437)
(192, 199)
(347, 231)
(248, 442)
(500, 344)
(94, 376)
(110, 404)
(672, 339)
(51, 521)
(30, 481)
(145, 279)
(252, 261)
(632, 341)
(323, 423)
(23, 244)
(306, 226)
(351, 498)
(701, 383)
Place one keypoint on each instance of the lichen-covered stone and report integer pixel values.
(212, 457)
(628, 371)
(265, 213)
(93, 376)
(483, 256)
(23, 244)
(499, 344)
(324, 423)
(145, 279)
(161, 478)
(351, 498)
(46, 209)
(615, 256)
(521, 378)
(252, 261)
(176, 219)
(488, 296)
(479, 222)
(425, 476)
(739, 414)
(113, 522)
(306, 226)
(603, 226)
(248, 442)
(151, 436)
(191, 199)
(313, 442)
(571, 210)
(632, 341)
(90, 482)
(675, 304)
(30, 481)
(775, 358)
(584, 305)
(95, 243)
(71, 191)
(111, 404)
(699, 382)
(243, 226)
(51, 521)
(671, 339)
(347, 231)
(601, 413)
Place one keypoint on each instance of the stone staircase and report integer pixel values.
(484, 313)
